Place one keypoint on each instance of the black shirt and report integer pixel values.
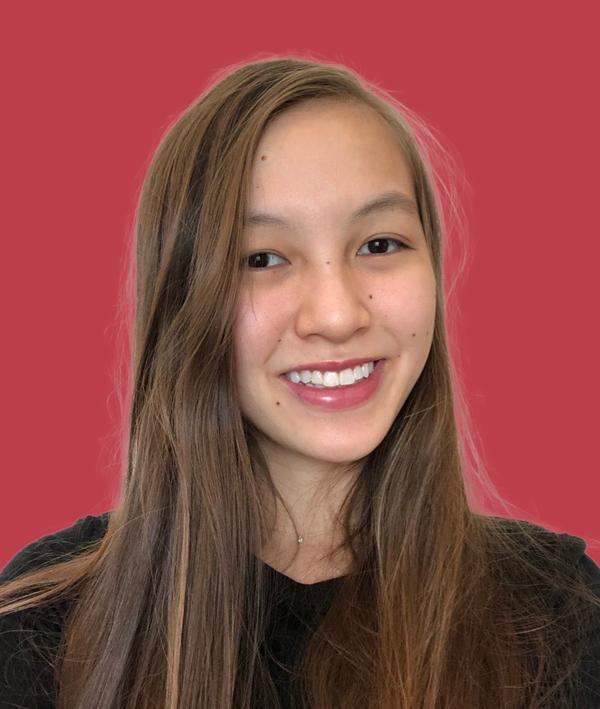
(27, 680)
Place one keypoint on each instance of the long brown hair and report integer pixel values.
(446, 607)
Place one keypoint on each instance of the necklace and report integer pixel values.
(299, 537)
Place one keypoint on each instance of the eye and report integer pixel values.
(380, 243)
(260, 259)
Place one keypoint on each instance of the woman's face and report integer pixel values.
(326, 284)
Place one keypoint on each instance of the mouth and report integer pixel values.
(333, 393)
(330, 365)
(331, 377)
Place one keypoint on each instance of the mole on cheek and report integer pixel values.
(370, 296)
(277, 403)
(413, 334)
(263, 157)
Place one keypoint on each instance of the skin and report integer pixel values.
(324, 295)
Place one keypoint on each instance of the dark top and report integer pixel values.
(27, 681)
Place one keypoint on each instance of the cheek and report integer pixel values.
(257, 327)
(408, 304)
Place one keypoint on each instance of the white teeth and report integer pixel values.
(332, 379)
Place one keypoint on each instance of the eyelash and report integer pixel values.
(399, 243)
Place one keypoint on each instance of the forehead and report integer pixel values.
(324, 155)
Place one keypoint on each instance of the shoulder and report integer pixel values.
(567, 549)
(56, 545)
(564, 552)
(29, 638)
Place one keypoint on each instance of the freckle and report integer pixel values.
(370, 296)
(327, 262)
(413, 334)
(279, 340)
(277, 403)
(263, 157)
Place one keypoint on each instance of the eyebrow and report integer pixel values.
(387, 201)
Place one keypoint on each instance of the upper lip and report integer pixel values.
(331, 365)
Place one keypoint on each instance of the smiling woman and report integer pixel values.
(294, 529)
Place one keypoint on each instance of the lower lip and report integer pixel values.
(338, 398)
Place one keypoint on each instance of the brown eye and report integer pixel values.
(380, 246)
(259, 260)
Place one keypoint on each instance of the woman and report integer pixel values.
(294, 528)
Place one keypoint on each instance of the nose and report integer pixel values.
(332, 304)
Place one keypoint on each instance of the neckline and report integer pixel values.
(288, 580)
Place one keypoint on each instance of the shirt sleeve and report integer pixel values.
(26, 655)
(589, 674)
(29, 638)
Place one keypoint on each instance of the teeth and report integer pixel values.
(332, 379)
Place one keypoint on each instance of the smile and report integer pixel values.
(347, 377)
(337, 390)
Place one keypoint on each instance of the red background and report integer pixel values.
(511, 88)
